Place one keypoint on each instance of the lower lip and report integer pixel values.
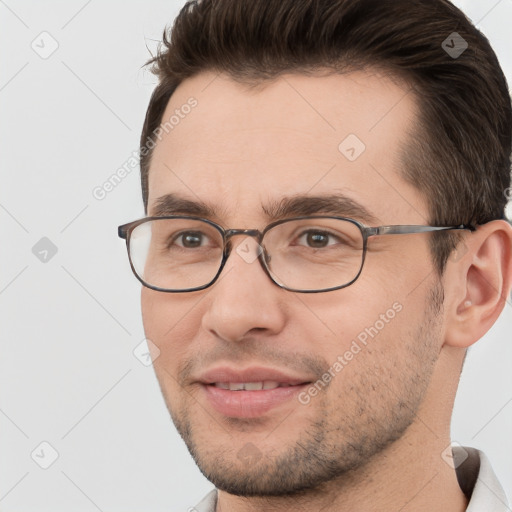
(249, 404)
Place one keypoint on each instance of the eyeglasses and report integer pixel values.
(303, 254)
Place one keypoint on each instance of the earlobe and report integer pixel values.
(482, 280)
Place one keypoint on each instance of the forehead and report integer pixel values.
(238, 148)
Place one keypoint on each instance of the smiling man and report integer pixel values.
(324, 188)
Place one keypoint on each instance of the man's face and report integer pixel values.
(352, 365)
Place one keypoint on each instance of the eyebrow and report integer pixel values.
(338, 205)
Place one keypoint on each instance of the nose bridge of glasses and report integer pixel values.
(248, 250)
(255, 233)
(247, 232)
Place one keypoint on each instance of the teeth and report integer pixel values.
(253, 386)
(249, 386)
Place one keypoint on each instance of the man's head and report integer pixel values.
(361, 99)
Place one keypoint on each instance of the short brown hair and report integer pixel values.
(459, 155)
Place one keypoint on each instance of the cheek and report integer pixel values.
(170, 322)
(372, 358)
(393, 268)
(338, 317)
(374, 315)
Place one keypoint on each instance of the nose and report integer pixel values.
(244, 300)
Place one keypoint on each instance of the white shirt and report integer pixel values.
(476, 479)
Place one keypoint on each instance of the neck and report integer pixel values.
(407, 476)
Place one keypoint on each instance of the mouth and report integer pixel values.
(250, 393)
(253, 386)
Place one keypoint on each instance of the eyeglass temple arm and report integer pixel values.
(408, 229)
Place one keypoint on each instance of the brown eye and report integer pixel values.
(317, 239)
(189, 239)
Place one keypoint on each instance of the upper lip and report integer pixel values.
(226, 374)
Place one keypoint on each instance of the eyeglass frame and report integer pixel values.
(125, 230)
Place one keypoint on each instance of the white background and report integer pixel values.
(68, 375)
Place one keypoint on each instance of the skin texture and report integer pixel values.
(372, 438)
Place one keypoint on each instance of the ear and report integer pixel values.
(478, 285)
